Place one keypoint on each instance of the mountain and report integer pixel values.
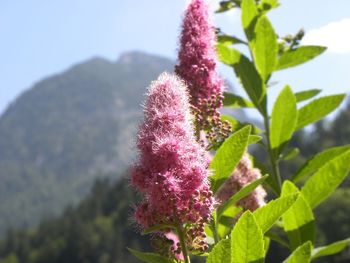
(68, 129)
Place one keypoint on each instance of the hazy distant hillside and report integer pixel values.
(59, 134)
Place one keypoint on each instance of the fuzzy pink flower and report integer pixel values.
(197, 66)
(172, 171)
(244, 174)
(197, 55)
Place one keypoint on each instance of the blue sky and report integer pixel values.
(41, 38)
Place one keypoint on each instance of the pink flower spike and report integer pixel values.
(171, 172)
(197, 54)
(197, 66)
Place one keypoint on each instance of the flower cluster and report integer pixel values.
(244, 174)
(172, 170)
(198, 68)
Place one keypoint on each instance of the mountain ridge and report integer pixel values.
(68, 129)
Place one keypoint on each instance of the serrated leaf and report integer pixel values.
(298, 221)
(265, 47)
(319, 160)
(268, 215)
(306, 94)
(235, 101)
(301, 255)
(247, 73)
(221, 252)
(319, 186)
(299, 56)
(228, 156)
(246, 190)
(247, 241)
(249, 17)
(150, 257)
(283, 119)
(331, 249)
(318, 109)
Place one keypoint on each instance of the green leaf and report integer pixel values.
(298, 221)
(267, 215)
(283, 119)
(247, 241)
(228, 156)
(300, 55)
(306, 94)
(265, 47)
(319, 186)
(319, 160)
(331, 249)
(247, 73)
(235, 101)
(318, 109)
(249, 17)
(254, 139)
(150, 257)
(230, 40)
(225, 6)
(301, 255)
(291, 154)
(246, 190)
(266, 5)
(227, 55)
(221, 252)
(226, 220)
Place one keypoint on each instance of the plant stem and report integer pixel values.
(274, 162)
(180, 232)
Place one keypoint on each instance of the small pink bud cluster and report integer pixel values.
(172, 171)
(198, 68)
(244, 174)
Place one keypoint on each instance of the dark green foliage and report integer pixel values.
(59, 134)
(96, 231)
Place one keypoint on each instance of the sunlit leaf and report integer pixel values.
(319, 186)
(319, 160)
(331, 249)
(228, 156)
(298, 221)
(283, 119)
(299, 56)
(301, 255)
(318, 109)
(247, 241)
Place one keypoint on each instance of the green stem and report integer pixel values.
(215, 229)
(274, 162)
(180, 232)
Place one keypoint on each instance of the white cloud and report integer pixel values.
(335, 36)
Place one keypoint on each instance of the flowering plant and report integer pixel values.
(203, 192)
